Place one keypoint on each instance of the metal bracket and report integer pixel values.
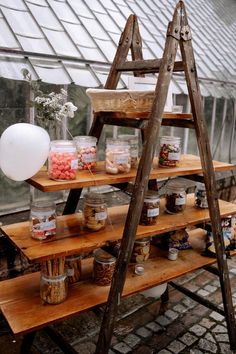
(185, 33)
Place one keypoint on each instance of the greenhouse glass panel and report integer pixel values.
(7, 38)
(63, 11)
(61, 43)
(81, 75)
(37, 45)
(51, 72)
(45, 17)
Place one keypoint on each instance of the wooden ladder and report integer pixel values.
(178, 34)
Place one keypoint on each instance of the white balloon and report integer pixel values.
(24, 149)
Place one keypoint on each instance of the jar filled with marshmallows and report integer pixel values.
(118, 159)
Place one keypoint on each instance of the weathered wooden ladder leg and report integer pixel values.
(208, 172)
(140, 185)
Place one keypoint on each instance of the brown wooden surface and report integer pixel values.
(21, 305)
(72, 238)
(145, 115)
(189, 164)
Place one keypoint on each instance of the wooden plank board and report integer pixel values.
(145, 115)
(73, 238)
(21, 305)
(189, 164)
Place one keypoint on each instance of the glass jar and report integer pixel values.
(62, 160)
(141, 250)
(175, 197)
(43, 220)
(201, 196)
(103, 267)
(53, 289)
(73, 268)
(134, 147)
(95, 211)
(169, 154)
(118, 158)
(87, 151)
(150, 210)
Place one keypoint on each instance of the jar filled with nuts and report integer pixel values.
(141, 250)
(73, 268)
(103, 267)
(169, 154)
(134, 147)
(43, 220)
(150, 210)
(175, 197)
(95, 211)
(87, 151)
(118, 158)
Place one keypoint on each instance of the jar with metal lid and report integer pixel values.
(118, 158)
(62, 160)
(134, 147)
(175, 197)
(150, 210)
(87, 151)
(201, 196)
(95, 211)
(141, 250)
(43, 220)
(103, 267)
(73, 267)
(169, 154)
(53, 289)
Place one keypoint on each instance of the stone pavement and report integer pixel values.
(184, 327)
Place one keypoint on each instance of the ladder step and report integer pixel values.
(147, 66)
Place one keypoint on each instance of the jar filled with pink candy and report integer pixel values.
(87, 151)
(118, 159)
(62, 160)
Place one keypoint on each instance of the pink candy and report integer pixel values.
(62, 165)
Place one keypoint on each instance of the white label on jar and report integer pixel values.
(151, 201)
(89, 157)
(121, 159)
(101, 216)
(74, 164)
(152, 212)
(70, 272)
(45, 225)
(174, 156)
(180, 201)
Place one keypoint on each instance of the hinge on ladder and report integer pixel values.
(185, 33)
(173, 31)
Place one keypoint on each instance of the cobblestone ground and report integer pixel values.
(184, 326)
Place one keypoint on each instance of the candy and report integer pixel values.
(62, 166)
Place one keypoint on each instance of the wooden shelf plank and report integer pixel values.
(21, 305)
(189, 164)
(72, 238)
(144, 115)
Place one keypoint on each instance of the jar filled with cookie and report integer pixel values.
(95, 211)
(134, 147)
(141, 250)
(103, 267)
(73, 268)
(169, 154)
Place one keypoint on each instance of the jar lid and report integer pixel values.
(151, 195)
(144, 239)
(94, 198)
(43, 204)
(85, 139)
(103, 256)
(62, 145)
(170, 138)
(176, 184)
(117, 142)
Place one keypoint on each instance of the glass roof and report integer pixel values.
(63, 41)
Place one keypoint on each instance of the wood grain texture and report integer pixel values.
(21, 305)
(189, 164)
(73, 238)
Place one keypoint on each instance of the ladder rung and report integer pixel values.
(147, 66)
